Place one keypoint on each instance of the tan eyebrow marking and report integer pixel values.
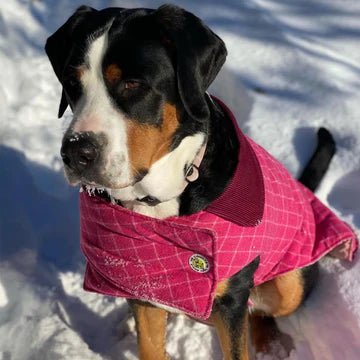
(78, 71)
(113, 73)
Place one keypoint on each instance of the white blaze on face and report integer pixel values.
(96, 113)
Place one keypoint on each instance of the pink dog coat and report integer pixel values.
(179, 261)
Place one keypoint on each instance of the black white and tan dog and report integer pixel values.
(158, 149)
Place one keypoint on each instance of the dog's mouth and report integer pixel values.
(99, 191)
(106, 194)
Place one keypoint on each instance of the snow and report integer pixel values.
(292, 67)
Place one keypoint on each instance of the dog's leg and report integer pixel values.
(233, 333)
(278, 297)
(230, 313)
(151, 330)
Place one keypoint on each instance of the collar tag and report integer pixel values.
(192, 172)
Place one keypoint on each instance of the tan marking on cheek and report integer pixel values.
(113, 73)
(148, 143)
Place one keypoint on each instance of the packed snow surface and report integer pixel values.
(293, 66)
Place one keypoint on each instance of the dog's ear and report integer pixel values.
(59, 47)
(199, 56)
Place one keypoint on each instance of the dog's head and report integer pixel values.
(135, 80)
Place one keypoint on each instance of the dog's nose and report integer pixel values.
(79, 151)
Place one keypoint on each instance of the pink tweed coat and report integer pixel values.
(179, 261)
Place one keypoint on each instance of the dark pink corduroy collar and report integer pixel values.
(242, 202)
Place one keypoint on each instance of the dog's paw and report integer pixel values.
(277, 349)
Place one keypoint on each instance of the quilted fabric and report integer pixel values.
(134, 256)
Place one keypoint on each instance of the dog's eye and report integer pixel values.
(132, 84)
(71, 81)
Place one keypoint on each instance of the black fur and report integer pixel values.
(199, 56)
(65, 48)
(310, 276)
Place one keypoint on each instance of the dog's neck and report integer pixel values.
(213, 173)
(218, 165)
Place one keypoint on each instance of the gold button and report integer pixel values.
(199, 263)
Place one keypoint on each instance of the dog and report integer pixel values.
(155, 149)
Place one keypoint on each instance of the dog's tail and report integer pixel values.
(316, 168)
